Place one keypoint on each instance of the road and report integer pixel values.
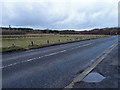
(52, 67)
(109, 69)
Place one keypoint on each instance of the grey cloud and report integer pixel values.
(58, 15)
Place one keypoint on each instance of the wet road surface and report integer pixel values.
(52, 67)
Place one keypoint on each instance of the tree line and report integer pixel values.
(22, 31)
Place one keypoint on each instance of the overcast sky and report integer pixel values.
(64, 14)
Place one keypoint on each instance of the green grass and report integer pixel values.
(10, 49)
(14, 43)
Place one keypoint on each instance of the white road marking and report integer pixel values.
(63, 51)
(61, 47)
(50, 54)
(87, 44)
(72, 48)
(42, 56)
(81, 46)
(89, 69)
(29, 51)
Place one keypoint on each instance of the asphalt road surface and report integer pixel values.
(109, 69)
(51, 67)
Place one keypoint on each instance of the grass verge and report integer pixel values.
(25, 43)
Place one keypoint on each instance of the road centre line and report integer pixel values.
(81, 46)
(59, 47)
(42, 56)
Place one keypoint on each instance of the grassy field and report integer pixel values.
(26, 42)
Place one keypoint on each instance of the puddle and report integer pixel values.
(93, 77)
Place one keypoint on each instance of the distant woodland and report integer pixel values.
(22, 31)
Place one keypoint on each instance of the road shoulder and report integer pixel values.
(107, 68)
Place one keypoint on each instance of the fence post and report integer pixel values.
(32, 43)
(76, 38)
(59, 40)
(48, 42)
(13, 45)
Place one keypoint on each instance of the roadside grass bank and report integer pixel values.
(12, 43)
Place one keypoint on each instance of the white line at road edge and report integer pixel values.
(43, 56)
(89, 69)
